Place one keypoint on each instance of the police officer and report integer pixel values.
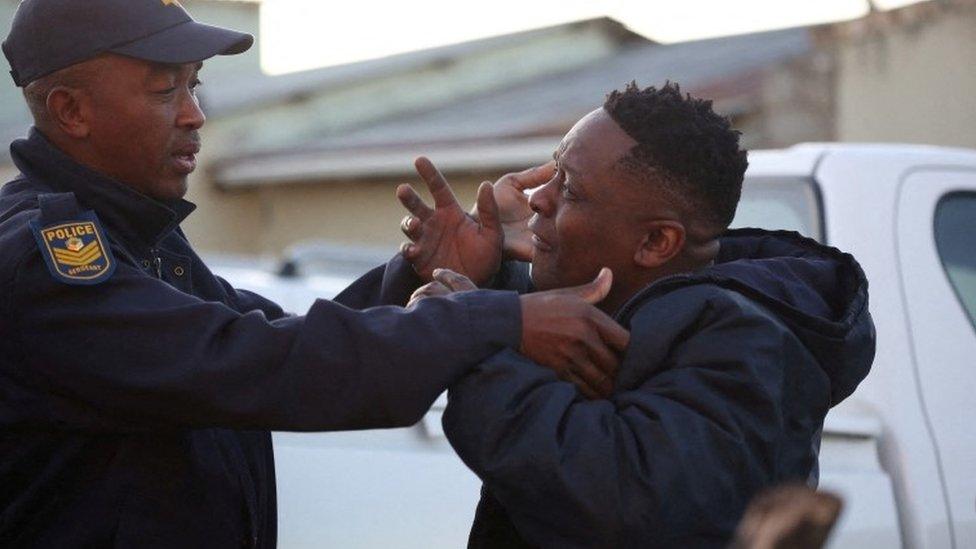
(136, 388)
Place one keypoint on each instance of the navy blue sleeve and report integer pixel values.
(690, 433)
(389, 284)
(246, 301)
(134, 353)
(394, 282)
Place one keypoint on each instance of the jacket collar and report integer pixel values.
(116, 204)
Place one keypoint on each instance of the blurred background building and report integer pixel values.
(316, 155)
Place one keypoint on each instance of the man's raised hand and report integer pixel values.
(444, 236)
(513, 208)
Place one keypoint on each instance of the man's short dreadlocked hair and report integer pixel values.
(688, 150)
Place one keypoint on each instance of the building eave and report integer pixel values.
(343, 165)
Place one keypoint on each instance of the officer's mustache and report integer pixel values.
(190, 145)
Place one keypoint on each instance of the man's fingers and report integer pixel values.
(412, 228)
(488, 207)
(603, 356)
(613, 334)
(412, 202)
(409, 251)
(475, 210)
(431, 289)
(595, 291)
(436, 184)
(580, 383)
(598, 381)
(455, 281)
(533, 177)
(519, 250)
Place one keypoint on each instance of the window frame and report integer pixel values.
(818, 220)
(971, 195)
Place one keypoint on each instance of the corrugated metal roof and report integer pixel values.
(555, 101)
(386, 162)
(521, 124)
(255, 90)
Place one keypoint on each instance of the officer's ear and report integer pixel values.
(67, 109)
(663, 240)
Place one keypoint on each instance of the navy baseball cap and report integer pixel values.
(49, 35)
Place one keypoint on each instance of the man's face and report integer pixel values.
(144, 124)
(588, 215)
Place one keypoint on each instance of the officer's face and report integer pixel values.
(144, 124)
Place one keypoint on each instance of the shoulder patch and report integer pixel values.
(75, 250)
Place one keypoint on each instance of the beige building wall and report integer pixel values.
(907, 76)
(796, 103)
(265, 220)
(223, 222)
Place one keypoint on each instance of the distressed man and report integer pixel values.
(740, 340)
(136, 388)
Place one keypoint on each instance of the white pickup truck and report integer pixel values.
(901, 451)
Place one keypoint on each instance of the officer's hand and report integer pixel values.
(447, 237)
(562, 330)
(513, 208)
(445, 282)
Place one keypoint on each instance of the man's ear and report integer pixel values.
(68, 109)
(663, 240)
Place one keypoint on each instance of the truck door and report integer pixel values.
(936, 240)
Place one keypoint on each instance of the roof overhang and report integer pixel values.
(338, 165)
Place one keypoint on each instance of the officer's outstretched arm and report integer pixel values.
(133, 353)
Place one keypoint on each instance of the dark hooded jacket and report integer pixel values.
(722, 392)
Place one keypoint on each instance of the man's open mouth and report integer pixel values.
(540, 243)
(185, 163)
(185, 158)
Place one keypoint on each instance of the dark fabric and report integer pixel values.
(722, 392)
(135, 412)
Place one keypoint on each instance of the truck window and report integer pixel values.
(780, 203)
(955, 226)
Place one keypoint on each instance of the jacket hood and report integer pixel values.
(819, 292)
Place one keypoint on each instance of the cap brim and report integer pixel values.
(187, 43)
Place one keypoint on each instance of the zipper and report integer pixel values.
(157, 262)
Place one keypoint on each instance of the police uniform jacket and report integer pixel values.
(722, 392)
(137, 389)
